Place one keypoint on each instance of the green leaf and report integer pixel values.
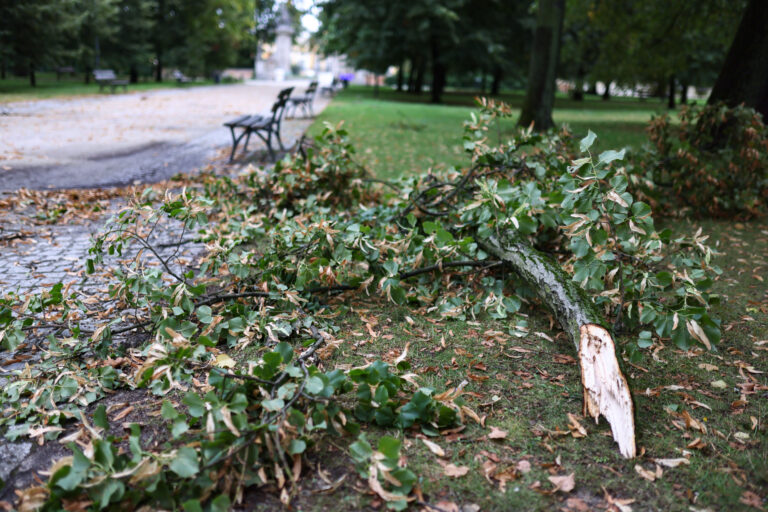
(314, 385)
(609, 156)
(100, 417)
(205, 314)
(587, 141)
(273, 405)
(167, 411)
(297, 446)
(195, 405)
(179, 427)
(185, 463)
(390, 447)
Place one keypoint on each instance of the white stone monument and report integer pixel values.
(283, 41)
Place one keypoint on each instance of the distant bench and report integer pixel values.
(107, 78)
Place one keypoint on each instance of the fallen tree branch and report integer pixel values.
(605, 388)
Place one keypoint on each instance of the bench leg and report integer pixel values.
(247, 139)
(235, 141)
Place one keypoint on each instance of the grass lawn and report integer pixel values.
(527, 387)
(401, 133)
(18, 88)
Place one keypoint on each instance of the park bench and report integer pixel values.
(329, 84)
(264, 126)
(181, 77)
(107, 78)
(305, 102)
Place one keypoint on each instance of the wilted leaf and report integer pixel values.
(455, 471)
(672, 463)
(434, 447)
(497, 433)
(224, 361)
(564, 483)
(719, 384)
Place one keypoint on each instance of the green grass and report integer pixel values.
(18, 88)
(528, 386)
(399, 133)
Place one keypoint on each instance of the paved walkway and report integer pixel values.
(124, 139)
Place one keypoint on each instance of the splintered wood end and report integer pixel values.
(606, 390)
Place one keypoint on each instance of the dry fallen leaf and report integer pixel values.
(455, 471)
(672, 463)
(434, 447)
(648, 475)
(719, 384)
(577, 430)
(224, 361)
(497, 433)
(564, 483)
(523, 466)
(708, 367)
(751, 499)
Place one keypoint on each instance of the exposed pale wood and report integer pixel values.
(605, 388)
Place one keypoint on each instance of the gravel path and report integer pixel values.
(123, 139)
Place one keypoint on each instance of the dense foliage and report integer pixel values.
(713, 164)
(287, 249)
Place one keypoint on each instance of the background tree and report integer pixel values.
(744, 76)
(540, 95)
(36, 32)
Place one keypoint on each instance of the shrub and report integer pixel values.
(714, 164)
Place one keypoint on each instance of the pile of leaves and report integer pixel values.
(713, 164)
(286, 250)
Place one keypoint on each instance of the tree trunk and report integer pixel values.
(496, 83)
(540, 95)
(592, 89)
(32, 79)
(2, 69)
(483, 83)
(411, 77)
(400, 76)
(744, 76)
(419, 83)
(438, 74)
(133, 74)
(607, 92)
(578, 87)
(605, 388)
(159, 68)
(671, 93)
(375, 85)
(684, 94)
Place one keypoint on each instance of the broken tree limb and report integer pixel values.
(605, 388)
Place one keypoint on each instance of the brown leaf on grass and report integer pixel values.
(577, 504)
(523, 466)
(563, 483)
(448, 506)
(672, 463)
(693, 423)
(455, 471)
(708, 367)
(434, 447)
(375, 485)
(497, 433)
(577, 430)
(751, 499)
(648, 475)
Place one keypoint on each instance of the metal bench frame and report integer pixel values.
(263, 126)
(305, 102)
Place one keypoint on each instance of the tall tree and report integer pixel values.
(744, 76)
(540, 95)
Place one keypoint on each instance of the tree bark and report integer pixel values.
(496, 82)
(133, 74)
(32, 78)
(2, 69)
(607, 92)
(605, 388)
(540, 95)
(400, 76)
(684, 94)
(411, 77)
(419, 82)
(578, 87)
(438, 75)
(671, 93)
(744, 76)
